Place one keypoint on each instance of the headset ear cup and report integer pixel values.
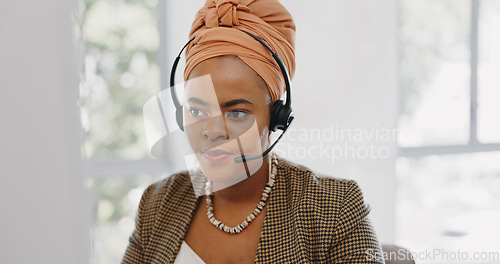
(178, 117)
(279, 116)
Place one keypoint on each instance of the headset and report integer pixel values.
(282, 114)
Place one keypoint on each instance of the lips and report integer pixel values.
(215, 152)
(215, 156)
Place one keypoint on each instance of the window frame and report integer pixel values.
(473, 145)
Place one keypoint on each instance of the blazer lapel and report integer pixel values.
(174, 216)
(299, 223)
(281, 240)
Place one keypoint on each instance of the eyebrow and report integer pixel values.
(227, 104)
(197, 101)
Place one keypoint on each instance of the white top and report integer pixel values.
(187, 256)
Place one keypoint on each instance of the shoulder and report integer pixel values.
(333, 203)
(329, 214)
(319, 186)
(175, 186)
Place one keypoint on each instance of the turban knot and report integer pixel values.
(223, 13)
(216, 29)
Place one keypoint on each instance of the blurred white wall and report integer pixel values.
(346, 84)
(43, 214)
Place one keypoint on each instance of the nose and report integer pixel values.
(216, 128)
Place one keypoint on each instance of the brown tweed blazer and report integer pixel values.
(309, 219)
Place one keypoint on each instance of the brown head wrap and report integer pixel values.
(216, 33)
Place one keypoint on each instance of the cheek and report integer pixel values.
(264, 126)
(254, 139)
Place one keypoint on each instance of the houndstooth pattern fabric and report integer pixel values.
(310, 219)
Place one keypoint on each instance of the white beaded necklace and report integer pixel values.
(265, 194)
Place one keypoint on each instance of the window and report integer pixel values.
(448, 172)
(121, 71)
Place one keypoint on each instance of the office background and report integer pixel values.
(399, 95)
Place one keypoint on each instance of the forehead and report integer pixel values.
(227, 78)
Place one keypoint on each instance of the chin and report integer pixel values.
(227, 173)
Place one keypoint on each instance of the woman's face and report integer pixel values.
(226, 115)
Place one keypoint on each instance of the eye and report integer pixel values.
(237, 114)
(197, 112)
